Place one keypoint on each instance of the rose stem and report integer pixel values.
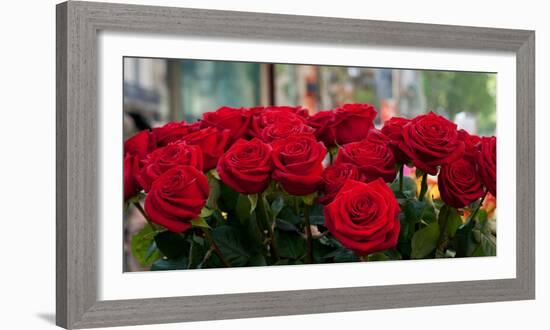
(401, 169)
(272, 242)
(478, 207)
(215, 247)
(423, 186)
(142, 211)
(309, 259)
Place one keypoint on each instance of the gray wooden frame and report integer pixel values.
(78, 24)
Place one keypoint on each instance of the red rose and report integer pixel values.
(372, 157)
(459, 183)
(246, 166)
(334, 178)
(352, 122)
(140, 144)
(164, 158)
(487, 163)
(364, 217)
(131, 171)
(430, 141)
(177, 197)
(393, 129)
(321, 122)
(172, 132)
(233, 119)
(298, 163)
(282, 130)
(212, 142)
(262, 117)
(471, 143)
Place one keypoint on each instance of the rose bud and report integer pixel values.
(352, 122)
(131, 171)
(487, 163)
(172, 132)
(164, 158)
(236, 120)
(261, 117)
(177, 197)
(246, 167)
(283, 130)
(364, 217)
(471, 143)
(298, 163)
(321, 122)
(459, 184)
(430, 141)
(140, 144)
(212, 143)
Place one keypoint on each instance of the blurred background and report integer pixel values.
(161, 90)
(157, 91)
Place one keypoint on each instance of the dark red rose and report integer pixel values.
(140, 144)
(298, 163)
(393, 129)
(282, 130)
(262, 117)
(164, 158)
(177, 197)
(372, 157)
(334, 178)
(352, 122)
(471, 143)
(236, 120)
(364, 217)
(212, 142)
(487, 163)
(459, 183)
(324, 132)
(430, 141)
(246, 167)
(172, 132)
(131, 171)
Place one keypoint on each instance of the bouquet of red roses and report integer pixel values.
(276, 186)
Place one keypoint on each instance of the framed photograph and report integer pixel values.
(217, 165)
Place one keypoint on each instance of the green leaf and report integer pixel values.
(170, 264)
(310, 198)
(424, 241)
(288, 215)
(277, 205)
(143, 246)
(206, 212)
(242, 208)
(257, 260)
(228, 198)
(231, 242)
(378, 256)
(214, 173)
(172, 245)
(409, 188)
(453, 222)
(253, 199)
(286, 226)
(487, 243)
(215, 192)
(317, 216)
(199, 223)
(413, 210)
(290, 245)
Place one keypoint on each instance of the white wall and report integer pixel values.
(27, 189)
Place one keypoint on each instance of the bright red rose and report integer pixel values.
(471, 143)
(164, 158)
(430, 141)
(177, 197)
(236, 120)
(334, 178)
(172, 132)
(364, 217)
(352, 122)
(324, 132)
(212, 142)
(487, 163)
(140, 144)
(131, 171)
(262, 117)
(393, 129)
(246, 167)
(372, 157)
(282, 130)
(298, 163)
(459, 183)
